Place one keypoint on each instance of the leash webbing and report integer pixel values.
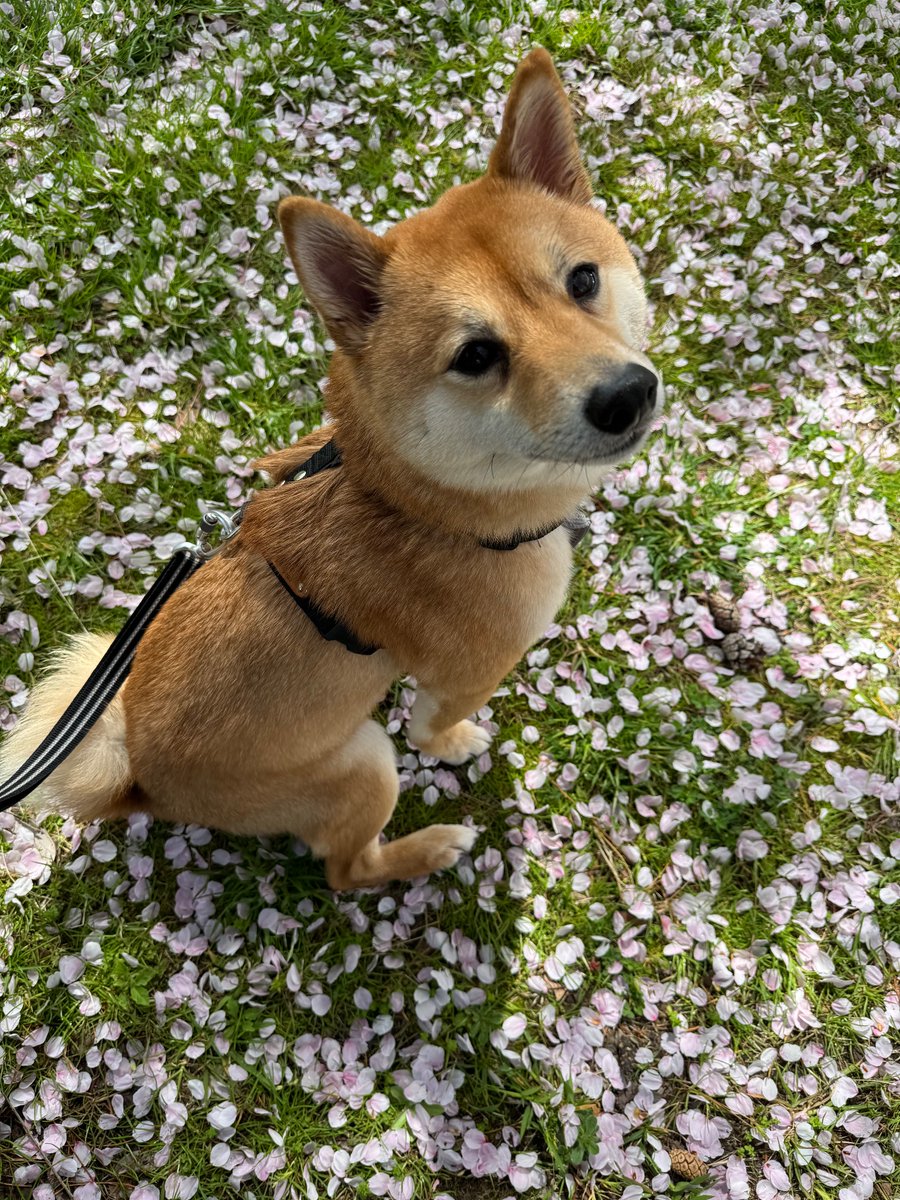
(109, 674)
(100, 687)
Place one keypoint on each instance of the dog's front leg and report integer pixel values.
(439, 724)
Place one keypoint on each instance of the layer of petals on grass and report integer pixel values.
(672, 958)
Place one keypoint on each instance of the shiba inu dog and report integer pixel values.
(488, 371)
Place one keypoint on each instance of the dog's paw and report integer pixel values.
(447, 843)
(458, 743)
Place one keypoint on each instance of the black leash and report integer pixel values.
(102, 684)
(110, 673)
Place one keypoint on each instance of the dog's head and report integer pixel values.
(493, 340)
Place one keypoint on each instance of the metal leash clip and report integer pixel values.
(229, 523)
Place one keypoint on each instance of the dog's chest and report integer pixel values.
(508, 599)
(539, 583)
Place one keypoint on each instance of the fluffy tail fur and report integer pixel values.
(95, 780)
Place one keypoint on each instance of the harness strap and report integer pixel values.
(329, 628)
(330, 456)
(326, 456)
(100, 687)
(576, 526)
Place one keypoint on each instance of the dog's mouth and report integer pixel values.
(615, 449)
(626, 444)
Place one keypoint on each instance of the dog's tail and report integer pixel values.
(95, 780)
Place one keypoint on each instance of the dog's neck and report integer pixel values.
(494, 515)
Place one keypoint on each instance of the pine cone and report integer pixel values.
(724, 612)
(741, 652)
(686, 1163)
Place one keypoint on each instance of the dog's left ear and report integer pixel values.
(537, 142)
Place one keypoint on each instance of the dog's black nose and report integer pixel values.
(615, 406)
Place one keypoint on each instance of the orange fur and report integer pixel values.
(237, 714)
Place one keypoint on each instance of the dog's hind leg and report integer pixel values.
(356, 800)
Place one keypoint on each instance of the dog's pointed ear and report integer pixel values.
(537, 141)
(339, 264)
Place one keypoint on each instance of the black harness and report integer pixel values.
(333, 630)
(112, 670)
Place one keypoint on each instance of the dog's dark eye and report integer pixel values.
(583, 282)
(474, 358)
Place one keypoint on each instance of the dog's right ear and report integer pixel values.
(339, 264)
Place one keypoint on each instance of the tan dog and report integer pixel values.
(488, 371)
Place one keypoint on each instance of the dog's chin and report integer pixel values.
(625, 446)
(603, 452)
